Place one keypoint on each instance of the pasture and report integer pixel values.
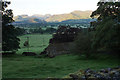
(37, 42)
(18, 66)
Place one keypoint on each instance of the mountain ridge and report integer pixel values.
(77, 14)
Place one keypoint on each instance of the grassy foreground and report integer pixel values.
(18, 66)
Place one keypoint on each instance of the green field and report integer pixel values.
(37, 42)
(18, 66)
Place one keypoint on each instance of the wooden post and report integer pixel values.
(43, 40)
(28, 43)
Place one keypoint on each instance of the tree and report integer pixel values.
(83, 43)
(50, 30)
(20, 31)
(107, 26)
(10, 42)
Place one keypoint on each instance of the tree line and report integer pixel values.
(104, 33)
(48, 30)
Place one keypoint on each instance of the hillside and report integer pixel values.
(77, 21)
(37, 18)
(29, 20)
(21, 17)
(43, 17)
(72, 15)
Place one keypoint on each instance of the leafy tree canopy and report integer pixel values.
(107, 26)
(10, 42)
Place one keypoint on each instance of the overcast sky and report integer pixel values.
(31, 7)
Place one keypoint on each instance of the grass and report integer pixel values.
(18, 66)
(37, 42)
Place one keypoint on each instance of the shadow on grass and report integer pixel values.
(98, 56)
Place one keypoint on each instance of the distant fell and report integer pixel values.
(29, 21)
(72, 15)
(37, 18)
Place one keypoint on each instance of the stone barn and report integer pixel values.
(62, 41)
